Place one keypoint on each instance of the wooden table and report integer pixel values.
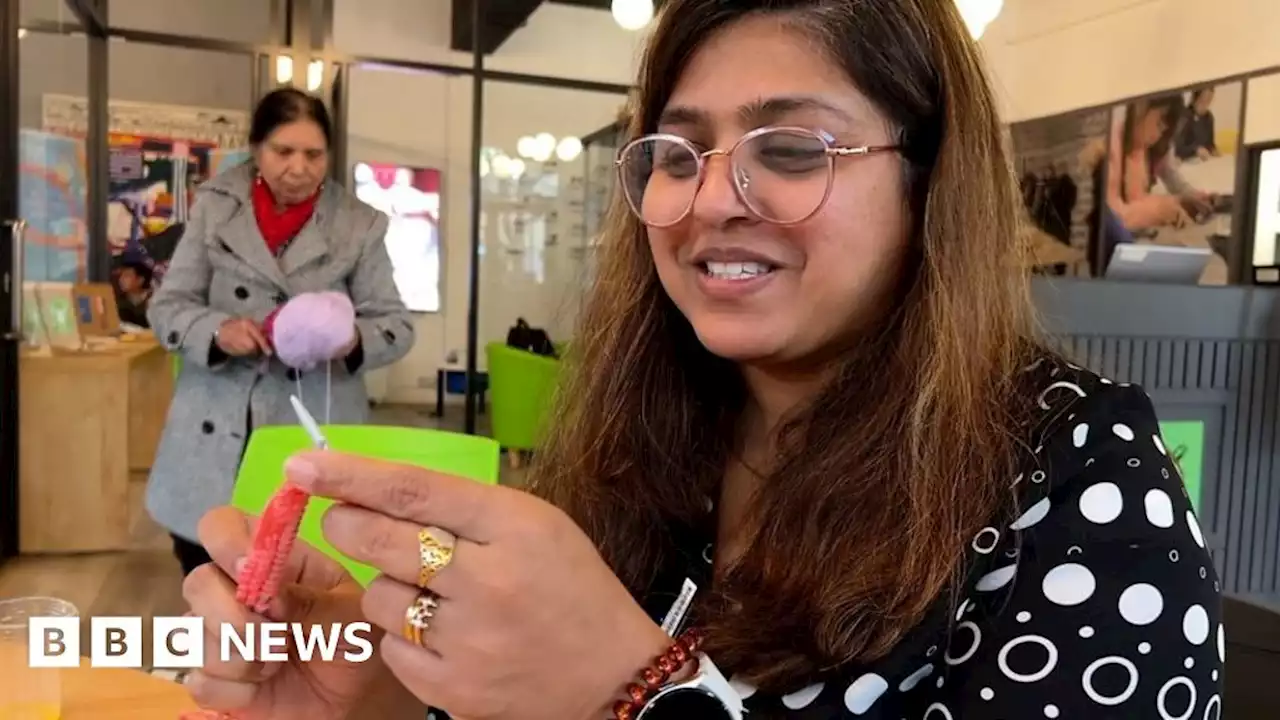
(89, 422)
(112, 694)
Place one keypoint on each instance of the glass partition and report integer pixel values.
(408, 152)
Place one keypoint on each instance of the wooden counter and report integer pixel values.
(110, 694)
(89, 423)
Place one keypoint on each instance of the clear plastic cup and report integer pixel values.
(28, 693)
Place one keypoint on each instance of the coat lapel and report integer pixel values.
(312, 244)
(242, 236)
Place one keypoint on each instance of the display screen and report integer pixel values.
(411, 197)
(1266, 225)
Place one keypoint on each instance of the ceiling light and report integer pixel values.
(569, 149)
(22, 32)
(501, 165)
(978, 14)
(315, 75)
(516, 168)
(527, 147)
(284, 69)
(632, 14)
(545, 147)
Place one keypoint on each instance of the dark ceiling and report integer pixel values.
(501, 19)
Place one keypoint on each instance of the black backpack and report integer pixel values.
(534, 340)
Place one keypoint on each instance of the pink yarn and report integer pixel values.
(313, 328)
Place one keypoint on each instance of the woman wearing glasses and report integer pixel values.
(812, 460)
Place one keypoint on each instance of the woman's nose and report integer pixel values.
(717, 200)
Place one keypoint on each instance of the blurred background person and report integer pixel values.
(260, 234)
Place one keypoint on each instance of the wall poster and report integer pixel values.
(1060, 161)
(159, 154)
(52, 192)
(1171, 166)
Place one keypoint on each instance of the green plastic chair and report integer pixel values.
(521, 387)
(262, 469)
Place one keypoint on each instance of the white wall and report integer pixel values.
(57, 64)
(1262, 111)
(246, 21)
(1050, 57)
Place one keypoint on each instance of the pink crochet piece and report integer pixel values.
(277, 531)
(313, 328)
(259, 580)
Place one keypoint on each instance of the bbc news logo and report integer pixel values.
(179, 642)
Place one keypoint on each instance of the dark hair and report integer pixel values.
(1169, 107)
(285, 105)
(647, 416)
(141, 269)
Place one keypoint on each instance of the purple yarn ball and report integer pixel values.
(313, 328)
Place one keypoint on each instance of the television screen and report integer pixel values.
(411, 197)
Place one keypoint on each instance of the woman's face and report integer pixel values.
(819, 281)
(293, 160)
(1203, 101)
(1152, 127)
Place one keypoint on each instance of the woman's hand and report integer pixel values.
(531, 623)
(351, 346)
(317, 592)
(240, 337)
(1172, 212)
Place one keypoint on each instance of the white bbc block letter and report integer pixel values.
(116, 642)
(177, 642)
(53, 642)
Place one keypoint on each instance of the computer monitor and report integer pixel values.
(1168, 265)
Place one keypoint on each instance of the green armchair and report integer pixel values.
(521, 388)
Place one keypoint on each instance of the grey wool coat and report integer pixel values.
(223, 269)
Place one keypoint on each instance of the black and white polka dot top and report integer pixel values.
(1099, 601)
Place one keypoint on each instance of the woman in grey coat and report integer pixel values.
(257, 236)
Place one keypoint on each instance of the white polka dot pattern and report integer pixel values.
(1094, 598)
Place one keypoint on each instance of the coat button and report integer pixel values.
(389, 336)
(173, 338)
(281, 298)
(207, 427)
(292, 374)
(242, 292)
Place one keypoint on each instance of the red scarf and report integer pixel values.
(277, 226)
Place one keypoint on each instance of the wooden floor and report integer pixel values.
(146, 580)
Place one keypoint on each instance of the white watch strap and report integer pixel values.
(710, 678)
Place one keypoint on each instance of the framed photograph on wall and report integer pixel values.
(411, 197)
(1171, 174)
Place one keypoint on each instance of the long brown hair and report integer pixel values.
(883, 479)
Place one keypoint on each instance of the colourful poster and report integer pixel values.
(221, 160)
(52, 192)
(152, 179)
(1184, 441)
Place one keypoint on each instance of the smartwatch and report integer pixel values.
(706, 696)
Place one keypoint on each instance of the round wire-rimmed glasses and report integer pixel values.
(782, 175)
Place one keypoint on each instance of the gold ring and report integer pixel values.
(435, 552)
(417, 617)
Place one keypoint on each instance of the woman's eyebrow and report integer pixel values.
(756, 113)
(683, 115)
(770, 110)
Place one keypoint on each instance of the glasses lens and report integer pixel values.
(783, 175)
(660, 179)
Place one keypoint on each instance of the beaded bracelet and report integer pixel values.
(652, 678)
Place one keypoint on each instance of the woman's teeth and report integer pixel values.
(736, 270)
